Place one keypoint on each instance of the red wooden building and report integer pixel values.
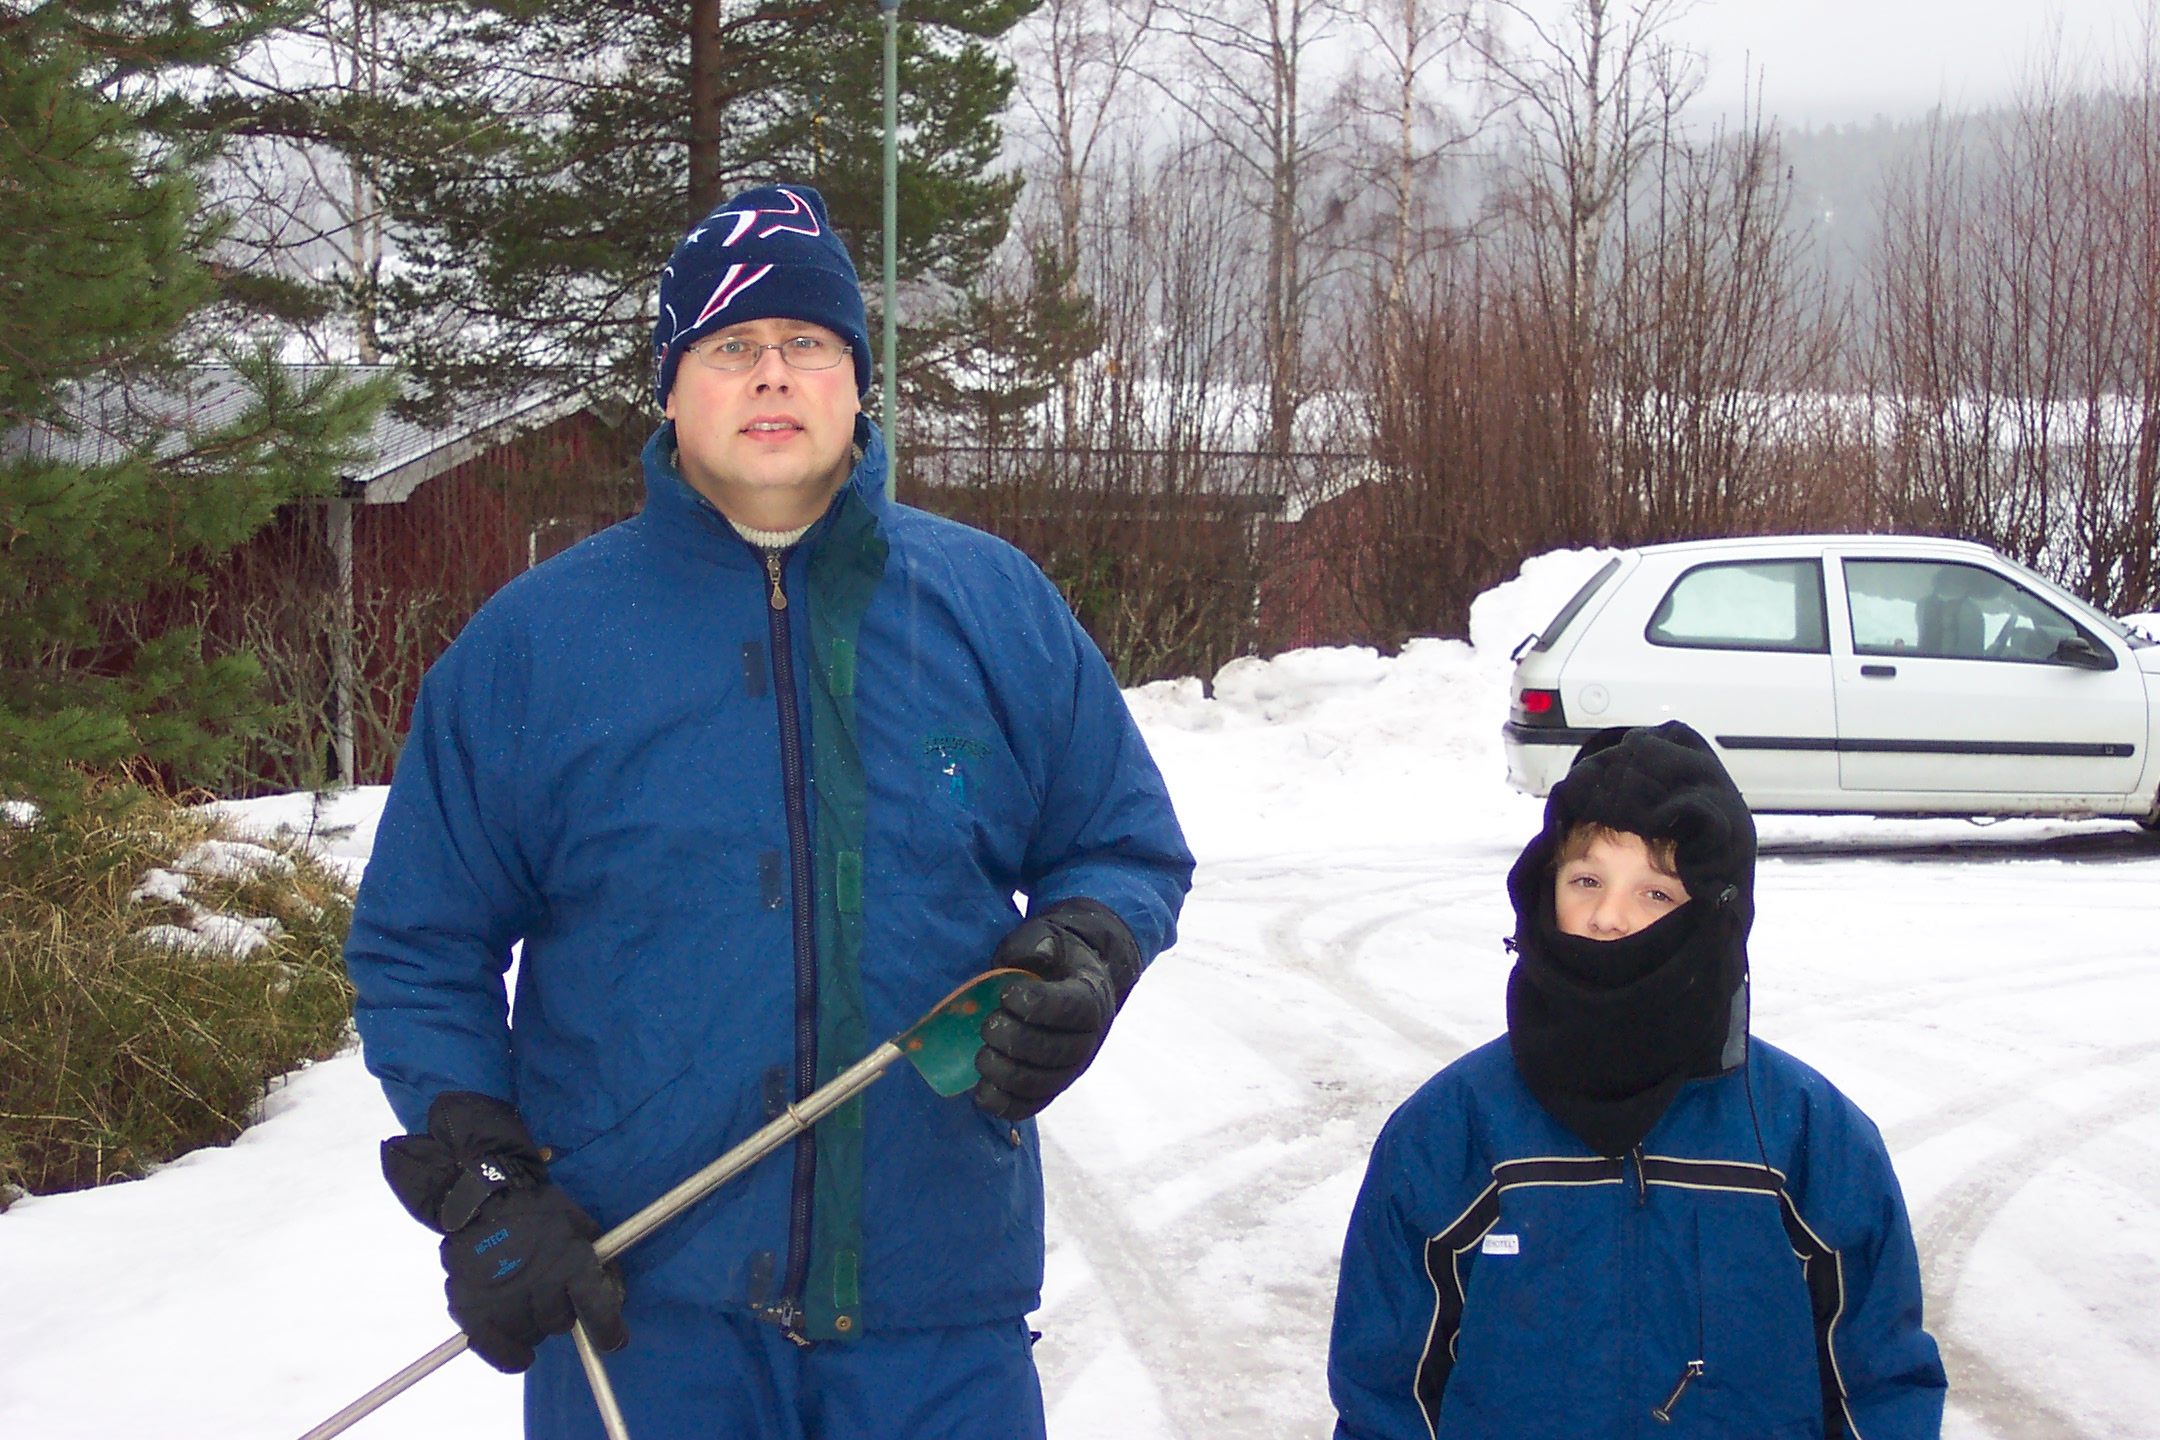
(373, 586)
(346, 600)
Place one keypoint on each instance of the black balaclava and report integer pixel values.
(1606, 1031)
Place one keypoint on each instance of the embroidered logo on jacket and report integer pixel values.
(950, 758)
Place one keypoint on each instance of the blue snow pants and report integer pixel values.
(702, 1375)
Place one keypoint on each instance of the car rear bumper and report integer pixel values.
(1538, 755)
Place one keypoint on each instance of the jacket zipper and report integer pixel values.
(1693, 1371)
(787, 1310)
(1663, 1413)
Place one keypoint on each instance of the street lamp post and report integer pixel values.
(891, 414)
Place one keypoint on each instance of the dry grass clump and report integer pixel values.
(116, 1053)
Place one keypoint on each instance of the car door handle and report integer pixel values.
(1879, 672)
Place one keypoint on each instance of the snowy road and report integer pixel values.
(1991, 996)
(1989, 999)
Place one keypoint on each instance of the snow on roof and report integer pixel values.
(109, 418)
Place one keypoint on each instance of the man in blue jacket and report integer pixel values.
(753, 778)
(1628, 1218)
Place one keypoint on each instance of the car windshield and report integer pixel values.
(2136, 640)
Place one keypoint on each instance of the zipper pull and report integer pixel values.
(1642, 1187)
(785, 1316)
(1663, 1413)
(778, 598)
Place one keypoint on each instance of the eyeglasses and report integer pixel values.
(733, 355)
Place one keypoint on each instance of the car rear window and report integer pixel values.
(1744, 605)
(1569, 611)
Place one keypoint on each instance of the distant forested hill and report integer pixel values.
(1840, 174)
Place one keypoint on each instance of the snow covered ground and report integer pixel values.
(1989, 994)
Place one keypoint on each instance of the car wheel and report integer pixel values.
(2151, 822)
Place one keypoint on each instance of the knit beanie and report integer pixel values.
(769, 253)
(1605, 1032)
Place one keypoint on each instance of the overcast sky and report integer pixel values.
(1832, 61)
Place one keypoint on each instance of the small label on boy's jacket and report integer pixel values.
(1502, 1245)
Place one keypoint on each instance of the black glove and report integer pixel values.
(517, 1249)
(1046, 1031)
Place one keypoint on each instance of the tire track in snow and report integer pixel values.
(1335, 965)
(1219, 1347)
(2009, 1095)
(1129, 1285)
(1954, 1224)
(1218, 1370)
(1932, 995)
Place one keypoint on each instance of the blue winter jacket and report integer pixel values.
(1499, 1280)
(742, 843)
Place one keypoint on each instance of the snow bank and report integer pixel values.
(1405, 747)
(1506, 615)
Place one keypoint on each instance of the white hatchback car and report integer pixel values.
(1852, 673)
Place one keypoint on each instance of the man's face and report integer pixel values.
(768, 445)
(1613, 889)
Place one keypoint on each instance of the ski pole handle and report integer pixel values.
(791, 1122)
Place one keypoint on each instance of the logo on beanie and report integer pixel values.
(746, 219)
(732, 284)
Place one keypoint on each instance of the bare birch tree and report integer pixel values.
(1247, 86)
(1592, 95)
(1078, 62)
(1413, 41)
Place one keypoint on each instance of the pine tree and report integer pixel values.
(993, 364)
(102, 245)
(540, 158)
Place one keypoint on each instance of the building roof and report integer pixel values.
(110, 418)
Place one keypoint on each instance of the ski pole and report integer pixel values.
(603, 1392)
(941, 1046)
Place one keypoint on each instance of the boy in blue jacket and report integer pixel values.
(1629, 1218)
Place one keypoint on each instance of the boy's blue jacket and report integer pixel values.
(1500, 1282)
(743, 843)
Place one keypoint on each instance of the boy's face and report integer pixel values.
(1613, 889)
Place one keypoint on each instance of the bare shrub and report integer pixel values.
(2017, 345)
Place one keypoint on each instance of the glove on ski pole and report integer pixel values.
(516, 1250)
(1046, 1030)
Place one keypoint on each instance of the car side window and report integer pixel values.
(1948, 611)
(1745, 605)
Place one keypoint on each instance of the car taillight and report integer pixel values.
(1541, 707)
